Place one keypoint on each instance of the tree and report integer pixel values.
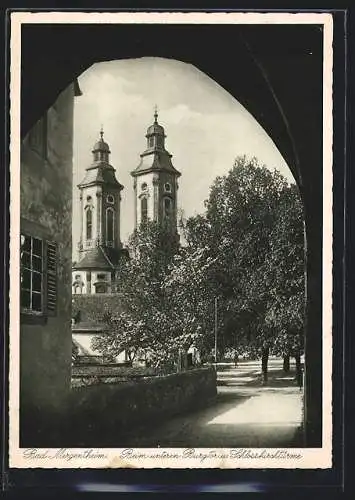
(189, 298)
(246, 249)
(250, 231)
(285, 277)
(141, 326)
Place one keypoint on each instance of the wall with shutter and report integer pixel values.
(46, 201)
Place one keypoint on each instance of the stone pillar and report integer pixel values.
(81, 221)
(99, 220)
(135, 203)
(88, 282)
(156, 199)
(118, 222)
(313, 330)
(176, 202)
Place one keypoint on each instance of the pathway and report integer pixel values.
(244, 414)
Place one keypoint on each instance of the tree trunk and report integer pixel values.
(299, 377)
(264, 363)
(286, 364)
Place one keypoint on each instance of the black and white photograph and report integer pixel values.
(171, 240)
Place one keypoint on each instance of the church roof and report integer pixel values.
(100, 257)
(155, 158)
(100, 173)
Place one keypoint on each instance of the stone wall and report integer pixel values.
(102, 414)
(46, 204)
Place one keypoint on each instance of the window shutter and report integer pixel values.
(51, 278)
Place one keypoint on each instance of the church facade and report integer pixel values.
(155, 181)
(155, 185)
(100, 247)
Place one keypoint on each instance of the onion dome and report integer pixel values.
(156, 128)
(101, 145)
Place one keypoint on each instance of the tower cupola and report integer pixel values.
(101, 150)
(156, 181)
(155, 134)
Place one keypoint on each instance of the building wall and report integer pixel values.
(46, 201)
(89, 286)
(84, 340)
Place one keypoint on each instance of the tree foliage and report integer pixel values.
(253, 232)
(246, 249)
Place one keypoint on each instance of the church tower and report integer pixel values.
(156, 181)
(100, 247)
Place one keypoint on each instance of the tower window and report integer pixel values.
(88, 224)
(109, 224)
(110, 199)
(100, 287)
(151, 142)
(167, 187)
(167, 207)
(144, 210)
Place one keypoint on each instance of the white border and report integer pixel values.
(219, 458)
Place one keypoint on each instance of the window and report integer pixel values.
(101, 276)
(109, 224)
(167, 187)
(32, 274)
(151, 142)
(88, 224)
(100, 288)
(144, 210)
(38, 277)
(110, 199)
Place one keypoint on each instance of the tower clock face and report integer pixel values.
(144, 186)
(110, 199)
(167, 187)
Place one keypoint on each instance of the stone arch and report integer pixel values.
(261, 75)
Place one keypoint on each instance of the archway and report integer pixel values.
(261, 75)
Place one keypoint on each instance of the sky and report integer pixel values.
(206, 128)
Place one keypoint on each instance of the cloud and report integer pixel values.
(180, 114)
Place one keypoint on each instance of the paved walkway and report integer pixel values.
(244, 414)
